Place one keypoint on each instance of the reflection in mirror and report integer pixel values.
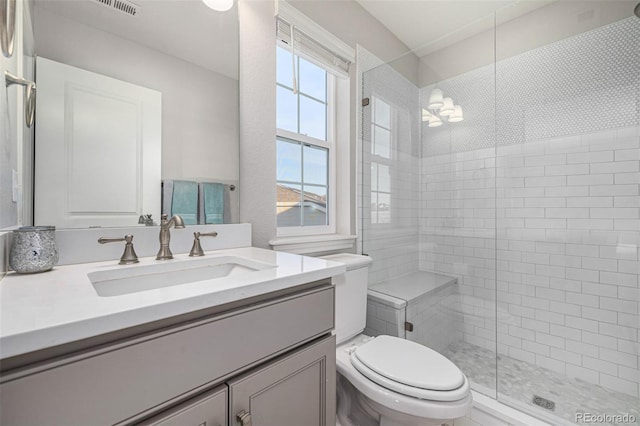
(130, 98)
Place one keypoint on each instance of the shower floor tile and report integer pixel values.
(520, 381)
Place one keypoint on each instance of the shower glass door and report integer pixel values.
(428, 196)
(568, 221)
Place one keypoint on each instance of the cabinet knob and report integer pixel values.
(244, 418)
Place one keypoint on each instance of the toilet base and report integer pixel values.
(355, 409)
(349, 411)
(389, 417)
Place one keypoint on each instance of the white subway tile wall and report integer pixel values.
(436, 318)
(383, 319)
(567, 276)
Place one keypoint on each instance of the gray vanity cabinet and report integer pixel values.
(277, 355)
(295, 390)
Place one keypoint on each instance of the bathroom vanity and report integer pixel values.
(246, 348)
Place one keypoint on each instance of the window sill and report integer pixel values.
(312, 244)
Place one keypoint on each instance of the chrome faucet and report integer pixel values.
(165, 236)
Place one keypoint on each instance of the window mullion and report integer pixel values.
(289, 182)
(298, 92)
(284, 86)
(302, 185)
(320, 101)
(297, 137)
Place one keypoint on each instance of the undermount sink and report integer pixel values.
(134, 279)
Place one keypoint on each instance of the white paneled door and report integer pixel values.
(98, 149)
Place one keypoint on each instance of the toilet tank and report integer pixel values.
(351, 294)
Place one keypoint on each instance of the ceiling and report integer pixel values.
(429, 25)
(186, 29)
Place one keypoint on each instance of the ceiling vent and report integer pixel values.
(123, 6)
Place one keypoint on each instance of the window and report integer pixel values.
(305, 142)
(381, 161)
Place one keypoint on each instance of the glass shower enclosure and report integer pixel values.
(499, 200)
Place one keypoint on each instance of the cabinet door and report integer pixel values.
(296, 390)
(209, 409)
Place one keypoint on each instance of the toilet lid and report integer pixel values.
(407, 363)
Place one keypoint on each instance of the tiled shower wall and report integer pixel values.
(568, 255)
(547, 165)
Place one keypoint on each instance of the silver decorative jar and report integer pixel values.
(33, 249)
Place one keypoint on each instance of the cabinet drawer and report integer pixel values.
(209, 409)
(110, 387)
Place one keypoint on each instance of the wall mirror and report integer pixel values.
(131, 94)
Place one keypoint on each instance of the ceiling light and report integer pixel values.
(435, 99)
(447, 107)
(219, 5)
(456, 116)
(434, 121)
(441, 109)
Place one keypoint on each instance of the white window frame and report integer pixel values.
(330, 145)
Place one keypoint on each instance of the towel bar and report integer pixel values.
(7, 26)
(29, 95)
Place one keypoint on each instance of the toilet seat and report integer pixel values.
(409, 368)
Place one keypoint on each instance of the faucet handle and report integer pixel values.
(196, 249)
(129, 256)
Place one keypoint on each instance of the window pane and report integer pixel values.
(374, 207)
(287, 108)
(284, 71)
(288, 205)
(313, 80)
(384, 208)
(313, 118)
(314, 206)
(382, 113)
(384, 178)
(316, 165)
(374, 176)
(289, 159)
(381, 142)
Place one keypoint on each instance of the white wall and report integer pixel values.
(10, 98)
(258, 118)
(540, 27)
(200, 121)
(15, 138)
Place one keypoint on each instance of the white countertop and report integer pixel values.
(38, 311)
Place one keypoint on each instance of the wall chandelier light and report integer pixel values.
(219, 5)
(441, 109)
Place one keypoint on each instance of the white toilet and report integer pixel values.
(387, 380)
